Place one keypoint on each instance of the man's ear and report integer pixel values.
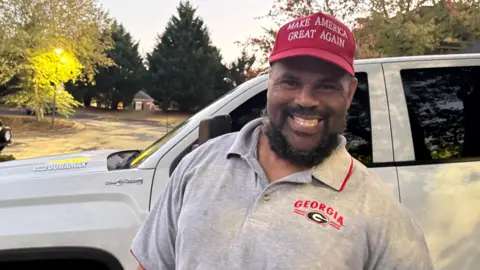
(352, 83)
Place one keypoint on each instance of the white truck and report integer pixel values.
(413, 121)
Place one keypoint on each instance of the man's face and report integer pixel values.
(307, 108)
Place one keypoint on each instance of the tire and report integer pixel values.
(54, 265)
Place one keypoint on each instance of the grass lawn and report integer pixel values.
(91, 130)
(29, 125)
(172, 119)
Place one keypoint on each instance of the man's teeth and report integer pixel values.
(306, 122)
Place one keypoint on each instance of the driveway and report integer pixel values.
(97, 134)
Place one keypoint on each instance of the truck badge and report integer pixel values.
(76, 163)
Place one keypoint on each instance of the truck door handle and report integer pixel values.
(121, 181)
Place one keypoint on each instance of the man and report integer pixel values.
(283, 193)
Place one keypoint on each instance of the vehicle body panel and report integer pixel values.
(442, 195)
(76, 209)
(57, 166)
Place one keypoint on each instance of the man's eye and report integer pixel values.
(290, 83)
(329, 87)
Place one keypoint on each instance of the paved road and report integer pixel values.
(98, 134)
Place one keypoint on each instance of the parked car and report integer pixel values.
(413, 122)
(5, 136)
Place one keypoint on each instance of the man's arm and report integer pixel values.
(154, 244)
(396, 241)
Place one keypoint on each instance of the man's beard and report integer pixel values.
(308, 158)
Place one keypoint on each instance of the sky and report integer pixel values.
(227, 20)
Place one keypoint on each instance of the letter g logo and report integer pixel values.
(317, 217)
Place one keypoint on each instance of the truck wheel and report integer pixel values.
(56, 264)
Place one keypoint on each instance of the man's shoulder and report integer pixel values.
(377, 196)
(222, 143)
(215, 147)
(379, 199)
(397, 237)
(370, 181)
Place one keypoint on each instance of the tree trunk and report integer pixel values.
(418, 135)
(87, 99)
(114, 104)
(37, 108)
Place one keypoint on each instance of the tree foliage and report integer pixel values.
(48, 72)
(242, 69)
(119, 82)
(184, 67)
(383, 28)
(283, 11)
(30, 28)
(417, 28)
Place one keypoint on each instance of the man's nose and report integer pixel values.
(306, 98)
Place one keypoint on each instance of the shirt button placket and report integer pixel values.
(259, 214)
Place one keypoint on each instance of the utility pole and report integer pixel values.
(58, 52)
(54, 99)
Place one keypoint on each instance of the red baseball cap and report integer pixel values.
(318, 35)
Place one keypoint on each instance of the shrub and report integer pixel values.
(6, 157)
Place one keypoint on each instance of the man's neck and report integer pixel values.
(275, 167)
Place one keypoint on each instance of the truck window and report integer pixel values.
(359, 123)
(248, 111)
(443, 109)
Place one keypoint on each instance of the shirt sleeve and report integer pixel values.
(154, 245)
(396, 241)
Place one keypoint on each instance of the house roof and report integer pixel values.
(140, 95)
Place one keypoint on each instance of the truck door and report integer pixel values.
(368, 128)
(435, 112)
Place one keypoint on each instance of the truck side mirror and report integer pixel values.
(213, 127)
(209, 128)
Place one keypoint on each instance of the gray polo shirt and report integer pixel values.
(220, 212)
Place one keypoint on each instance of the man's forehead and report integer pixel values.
(311, 68)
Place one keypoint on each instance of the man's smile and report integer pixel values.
(305, 124)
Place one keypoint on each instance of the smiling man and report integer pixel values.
(284, 193)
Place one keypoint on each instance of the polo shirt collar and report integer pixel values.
(247, 138)
(334, 171)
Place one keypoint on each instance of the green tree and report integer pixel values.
(283, 11)
(48, 73)
(119, 82)
(412, 28)
(31, 27)
(241, 69)
(184, 67)
(383, 28)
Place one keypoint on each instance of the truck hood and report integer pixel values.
(82, 162)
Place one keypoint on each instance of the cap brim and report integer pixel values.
(320, 54)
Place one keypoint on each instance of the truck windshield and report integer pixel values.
(163, 140)
(156, 145)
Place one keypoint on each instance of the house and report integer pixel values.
(143, 102)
